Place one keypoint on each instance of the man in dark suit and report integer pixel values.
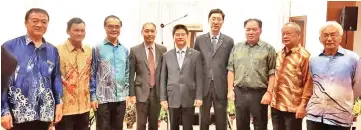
(181, 80)
(215, 48)
(145, 65)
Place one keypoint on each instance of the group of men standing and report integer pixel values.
(59, 85)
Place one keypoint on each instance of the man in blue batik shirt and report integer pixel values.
(35, 89)
(110, 78)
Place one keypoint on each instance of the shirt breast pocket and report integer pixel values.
(47, 68)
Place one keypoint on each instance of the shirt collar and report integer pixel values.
(146, 46)
(340, 52)
(70, 46)
(259, 43)
(28, 40)
(293, 50)
(106, 41)
(183, 49)
(216, 35)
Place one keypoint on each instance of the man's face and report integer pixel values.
(77, 32)
(37, 24)
(330, 38)
(180, 37)
(290, 35)
(149, 33)
(112, 28)
(215, 22)
(252, 32)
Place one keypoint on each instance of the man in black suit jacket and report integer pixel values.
(215, 48)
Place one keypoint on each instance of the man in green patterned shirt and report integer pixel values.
(251, 68)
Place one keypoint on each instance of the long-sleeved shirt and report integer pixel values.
(110, 73)
(336, 84)
(293, 82)
(75, 68)
(35, 87)
(252, 65)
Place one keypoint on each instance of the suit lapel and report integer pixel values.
(143, 54)
(175, 58)
(219, 43)
(186, 57)
(208, 43)
(157, 55)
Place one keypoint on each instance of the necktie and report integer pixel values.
(151, 66)
(214, 43)
(180, 58)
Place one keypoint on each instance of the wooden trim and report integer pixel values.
(304, 19)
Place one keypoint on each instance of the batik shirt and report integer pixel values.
(110, 73)
(35, 87)
(75, 68)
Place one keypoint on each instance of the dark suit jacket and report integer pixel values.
(139, 71)
(8, 66)
(215, 63)
(181, 86)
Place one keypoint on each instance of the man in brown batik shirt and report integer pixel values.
(293, 83)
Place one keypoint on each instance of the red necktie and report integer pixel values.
(151, 66)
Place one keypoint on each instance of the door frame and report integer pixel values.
(304, 20)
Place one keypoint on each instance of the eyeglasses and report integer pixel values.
(333, 36)
(216, 19)
(111, 27)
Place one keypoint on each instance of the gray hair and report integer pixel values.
(333, 24)
(295, 25)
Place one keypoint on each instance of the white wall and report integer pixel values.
(357, 34)
(316, 12)
(134, 13)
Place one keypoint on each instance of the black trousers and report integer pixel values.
(33, 125)
(148, 112)
(186, 114)
(311, 125)
(248, 102)
(74, 122)
(285, 120)
(219, 107)
(110, 116)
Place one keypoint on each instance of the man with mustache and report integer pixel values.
(181, 81)
(75, 65)
(145, 65)
(293, 83)
(251, 69)
(336, 74)
(110, 78)
(215, 48)
(35, 89)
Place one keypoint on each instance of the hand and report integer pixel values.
(230, 95)
(132, 99)
(7, 122)
(164, 104)
(198, 103)
(58, 113)
(94, 105)
(301, 111)
(266, 99)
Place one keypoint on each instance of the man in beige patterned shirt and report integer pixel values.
(251, 70)
(75, 64)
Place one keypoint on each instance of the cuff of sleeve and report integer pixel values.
(271, 72)
(230, 69)
(58, 101)
(5, 112)
(93, 98)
